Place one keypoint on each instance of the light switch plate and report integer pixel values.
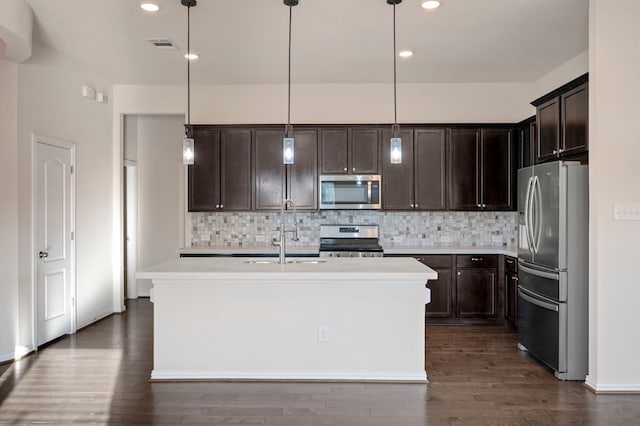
(626, 211)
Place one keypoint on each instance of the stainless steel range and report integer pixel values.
(349, 241)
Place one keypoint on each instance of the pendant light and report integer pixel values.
(396, 141)
(188, 144)
(288, 148)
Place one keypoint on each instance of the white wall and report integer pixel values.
(334, 103)
(161, 208)
(50, 103)
(8, 210)
(614, 155)
(563, 74)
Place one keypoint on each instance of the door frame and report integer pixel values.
(35, 140)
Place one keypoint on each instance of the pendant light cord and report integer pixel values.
(395, 108)
(289, 76)
(189, 68)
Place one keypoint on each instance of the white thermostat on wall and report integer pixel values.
(89, 92)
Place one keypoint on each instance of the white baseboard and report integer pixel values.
(20, 352)
(612, 388)
(357, 376)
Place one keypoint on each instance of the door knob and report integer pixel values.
(43, 254)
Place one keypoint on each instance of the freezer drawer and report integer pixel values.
(548, 283)
(542, 329)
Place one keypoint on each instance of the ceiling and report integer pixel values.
(334, 41)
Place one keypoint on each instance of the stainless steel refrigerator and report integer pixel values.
(553, 266)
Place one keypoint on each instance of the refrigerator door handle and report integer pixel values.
(537, 196)
(527, 224)
(545, 305)
(529, 210)
(538, 273)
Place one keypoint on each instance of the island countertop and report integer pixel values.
(335, 319)
(297, 269)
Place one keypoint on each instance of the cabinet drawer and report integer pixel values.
(510, 264)
(435, 260)
(477, 261)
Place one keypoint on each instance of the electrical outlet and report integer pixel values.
(626, 211)
(323, 333)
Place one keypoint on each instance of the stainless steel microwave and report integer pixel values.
(350, 192)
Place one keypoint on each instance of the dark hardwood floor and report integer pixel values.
(477, 377)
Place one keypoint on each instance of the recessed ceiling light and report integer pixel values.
(430, 4)
(191, 56)
(149, 6)
(405, 53)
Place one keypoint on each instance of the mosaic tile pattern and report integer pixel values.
(251, 229)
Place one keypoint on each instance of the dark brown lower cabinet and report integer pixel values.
(441, 305)
(477, 286)
(469, 288)
(511, 291)
(476, 290)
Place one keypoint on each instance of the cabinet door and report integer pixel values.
(498, 170)
(363, 152)
(235, 169)
(397, 179)
(334, 151)
(575, 118)
(204, 174)
(548, 122)
(429, 150)
(302, 176)
(476, 293)
(442, 288)
(526, 144)
(269, 170)
(463, 169)
(511, 302)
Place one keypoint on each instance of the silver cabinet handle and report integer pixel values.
(345, 169)
(354, 169)
(221, 206)
(477, 259)
(416, 205)
(43, 254)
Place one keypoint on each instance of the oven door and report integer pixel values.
(542, 328)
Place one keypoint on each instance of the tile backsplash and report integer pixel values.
(247, 229)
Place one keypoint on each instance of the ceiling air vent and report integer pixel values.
(162, 43)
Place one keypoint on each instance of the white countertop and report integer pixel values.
(506, 250)
(352, 270)
(313, 250)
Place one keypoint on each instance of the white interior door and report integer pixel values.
(55, 315)
(132, 229)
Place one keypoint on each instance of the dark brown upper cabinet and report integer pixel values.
(525, 139)
(430, 169)
(398, 179)
(275, 181)
(562, 118)
(481, 169)
(349, 151)
(498, 170)
(220, 178)
(419, 182)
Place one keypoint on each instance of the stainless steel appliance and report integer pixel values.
(350, 192)
(349, 241)
(553, 261)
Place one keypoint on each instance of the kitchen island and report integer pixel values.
(352, 319)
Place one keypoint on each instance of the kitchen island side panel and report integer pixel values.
(243, 329)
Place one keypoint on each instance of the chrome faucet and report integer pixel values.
(280, 241)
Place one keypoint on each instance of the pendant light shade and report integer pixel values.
(188, 143)
(395, 153)
(288, 143)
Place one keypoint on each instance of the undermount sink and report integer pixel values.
(271, 261)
